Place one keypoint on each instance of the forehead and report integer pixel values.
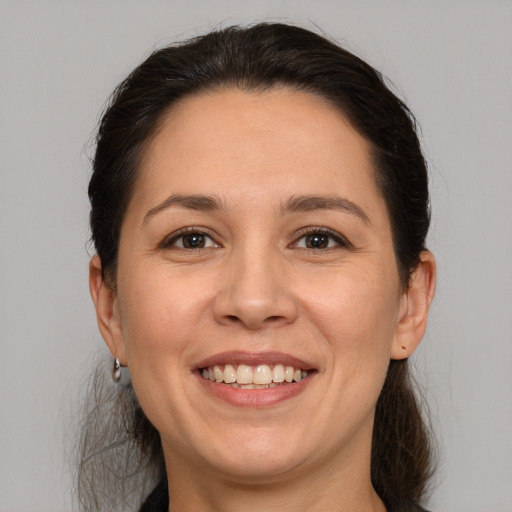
(251, 145)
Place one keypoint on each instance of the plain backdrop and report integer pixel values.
(59, 61)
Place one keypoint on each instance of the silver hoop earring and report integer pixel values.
(116, 373)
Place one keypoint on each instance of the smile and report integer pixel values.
(261, 376)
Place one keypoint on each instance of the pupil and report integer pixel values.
(193, 241)
(318, 241)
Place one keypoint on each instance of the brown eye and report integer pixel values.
(193, 241)
(190, 240)
(317, 241)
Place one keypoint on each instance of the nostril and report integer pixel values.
(253, 323)
(254, 312)
(235, 318)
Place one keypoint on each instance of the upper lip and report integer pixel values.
(255, 359)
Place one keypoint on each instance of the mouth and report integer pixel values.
(247, 379)
(262, 376)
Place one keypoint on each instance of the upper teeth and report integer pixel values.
(260, 374)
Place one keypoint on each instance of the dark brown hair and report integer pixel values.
(258, 58)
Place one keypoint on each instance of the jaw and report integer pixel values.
(265, 471)
(250, 435)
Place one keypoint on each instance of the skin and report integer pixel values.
(256, 287)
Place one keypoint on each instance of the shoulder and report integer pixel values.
(158, 500)
(407, 507)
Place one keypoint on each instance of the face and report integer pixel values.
(257, 249)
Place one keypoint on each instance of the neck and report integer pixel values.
(342, 488)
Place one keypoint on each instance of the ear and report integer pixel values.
(415, 303)
(107, 310)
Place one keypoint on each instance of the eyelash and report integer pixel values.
(338, 239)
(170, 242)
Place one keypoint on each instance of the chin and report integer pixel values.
(258, 456)
(252, 466)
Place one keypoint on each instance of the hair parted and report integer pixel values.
(258, 58)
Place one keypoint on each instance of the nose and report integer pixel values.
(255, 293)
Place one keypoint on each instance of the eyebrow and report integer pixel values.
(303, 203)
(192, 202)
(309, 203)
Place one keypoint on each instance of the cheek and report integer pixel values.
(353, 313)
(356, 312)
(162, 321)
(159, 316)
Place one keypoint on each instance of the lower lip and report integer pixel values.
(255, 397)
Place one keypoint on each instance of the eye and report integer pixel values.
(190, 239)
(318, 239)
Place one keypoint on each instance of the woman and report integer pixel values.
(259, 211)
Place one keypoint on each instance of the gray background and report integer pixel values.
(58, 63)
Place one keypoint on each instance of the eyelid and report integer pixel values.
(168, 241)
(341, 240)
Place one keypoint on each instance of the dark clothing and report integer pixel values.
(158, 501)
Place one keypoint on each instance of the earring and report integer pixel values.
(404, 348)
(116, 373)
